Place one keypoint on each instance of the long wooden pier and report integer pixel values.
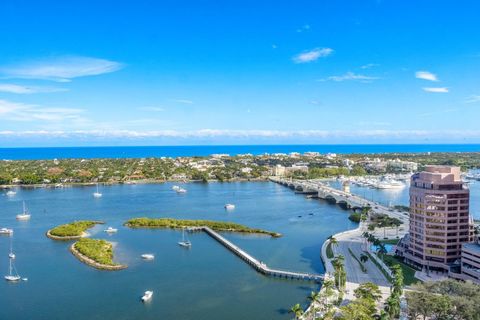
(259, 265)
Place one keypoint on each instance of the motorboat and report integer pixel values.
(97, 194)
(175, 188)
(110, 230)
(148, 256)
(229, 206)
(11, 193)
(6, 231)
(24, 215)
(185, 242)
(147, 296)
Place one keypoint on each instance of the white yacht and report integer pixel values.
(97, 194)
(147, 296)
(12, 273)
(148, 256)
(110, 230)
(24, 215)
(185, 242)
(6, 231)
(11, 193)
(229, 206)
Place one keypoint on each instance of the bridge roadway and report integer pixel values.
(354, 201)
(256, 264)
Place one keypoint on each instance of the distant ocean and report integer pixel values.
(185, 151)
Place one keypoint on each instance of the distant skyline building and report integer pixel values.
(440, 222)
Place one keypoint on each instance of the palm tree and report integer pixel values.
(333, 243)
(392, 306)
(314, 297)
(381, 250)
(296, 310)
(363, 258)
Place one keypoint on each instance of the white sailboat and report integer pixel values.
(11, 255)
(12, 273)
(24, 215)
(6, 231)
(147, 296)
(185, 242)
(97, 194)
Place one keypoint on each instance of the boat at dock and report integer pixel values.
(185, 242)
(25, 215)
(147, 296)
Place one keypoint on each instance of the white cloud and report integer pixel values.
(60, 69)
(425, 75)
(16, 111)
(18, 89)
(312, 55)
(369, 65)
(184, 101)
(436, 89)
(351, 76)
(473, 99)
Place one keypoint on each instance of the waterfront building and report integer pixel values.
(439, 219)
(402, 166)
(470, 262)
(278, 170)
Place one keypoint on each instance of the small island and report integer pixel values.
(96, 253)
(179, 223)
(71, 231)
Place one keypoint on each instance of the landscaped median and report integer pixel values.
(179, 224)
(71, 231)
(96, 253)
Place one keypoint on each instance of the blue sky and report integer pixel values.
(239, 72)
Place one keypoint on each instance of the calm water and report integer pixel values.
(184, 151)
(206, 282)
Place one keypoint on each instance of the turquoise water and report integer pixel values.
(388, 247)
(206, 282)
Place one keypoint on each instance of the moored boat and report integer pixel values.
(148, 256)
(24, 215)
(147, 296)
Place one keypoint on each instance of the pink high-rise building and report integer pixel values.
(439, 219)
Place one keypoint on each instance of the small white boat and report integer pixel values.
(24, 215)
(6, 231)
(110, 230)
(175, 188)
(181, 190)
(229, 206)
(185, 242)
(148, 256)
(147, 296)
(11, 193)
(97, 194)
(11, 255)
(12, 273)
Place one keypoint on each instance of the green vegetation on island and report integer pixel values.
(100, 251)
(71, 230)
(179, 223)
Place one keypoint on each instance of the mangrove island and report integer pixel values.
(71, 231)
(96, 253)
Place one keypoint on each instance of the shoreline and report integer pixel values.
(92, 263)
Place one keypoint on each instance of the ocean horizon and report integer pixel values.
(45, 153)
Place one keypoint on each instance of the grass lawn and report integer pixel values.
(408, 272)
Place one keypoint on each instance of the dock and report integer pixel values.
(259, 265)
